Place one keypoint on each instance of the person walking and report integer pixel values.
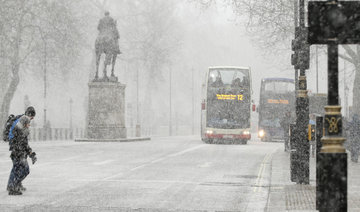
(20, 150)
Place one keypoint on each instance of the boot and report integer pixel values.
(21, 187)
(13, 191)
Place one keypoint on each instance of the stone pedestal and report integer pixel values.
(106, 114)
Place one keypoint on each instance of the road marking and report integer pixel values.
(205, 165)
(103, 162)
(159, 159)
(138, 167)
(138, 181)
(71, 158)
(259, 178)
(187, 150)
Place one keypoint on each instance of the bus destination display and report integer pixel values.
(238, 97)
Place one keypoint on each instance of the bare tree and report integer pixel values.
(31, 31)
(151, 40)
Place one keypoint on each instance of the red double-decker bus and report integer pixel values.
(226, 105)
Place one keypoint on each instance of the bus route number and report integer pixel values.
(239, 97)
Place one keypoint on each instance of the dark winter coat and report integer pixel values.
(19, 145)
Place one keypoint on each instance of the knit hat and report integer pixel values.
(30, 111)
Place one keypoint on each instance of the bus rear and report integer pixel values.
(226, 105)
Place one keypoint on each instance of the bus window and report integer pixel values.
(229, 78)
(279, 87)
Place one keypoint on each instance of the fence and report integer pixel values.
(50, 134)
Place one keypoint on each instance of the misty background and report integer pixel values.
(166, 46)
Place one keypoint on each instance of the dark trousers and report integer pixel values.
(18, 172)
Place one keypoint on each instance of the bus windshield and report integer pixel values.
(228, 99)
(229, 78)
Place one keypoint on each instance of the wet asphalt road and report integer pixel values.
(164, 174)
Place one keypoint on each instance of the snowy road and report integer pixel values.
(177, 173)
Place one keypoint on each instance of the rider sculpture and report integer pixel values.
(107, 43)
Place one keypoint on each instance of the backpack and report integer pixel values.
(9, 126)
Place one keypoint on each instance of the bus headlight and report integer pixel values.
(209, 132)
(246, 132)
(261, 133)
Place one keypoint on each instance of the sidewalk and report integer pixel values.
(288, 196)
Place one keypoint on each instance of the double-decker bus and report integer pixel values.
(277, 97)
(226, 105)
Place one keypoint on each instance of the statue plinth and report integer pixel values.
(106, 114)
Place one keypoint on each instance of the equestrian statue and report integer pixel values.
(107, 42)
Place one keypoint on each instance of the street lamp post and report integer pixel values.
(331, 23)
(333, 157)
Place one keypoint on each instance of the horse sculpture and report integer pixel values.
(107, 43)
(104, 45)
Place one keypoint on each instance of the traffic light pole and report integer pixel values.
(302, 112)
(293, 134)
(333, 157)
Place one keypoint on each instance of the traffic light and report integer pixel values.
(334, 22)
(295, 59)
(300, 59)
(311, 132)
